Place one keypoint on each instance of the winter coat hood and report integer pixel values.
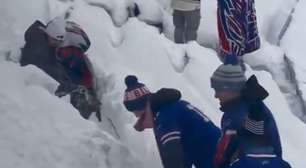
(252, 93)
(164, 97)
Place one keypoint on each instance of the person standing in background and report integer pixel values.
(186, 19)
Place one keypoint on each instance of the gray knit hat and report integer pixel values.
(228, 78)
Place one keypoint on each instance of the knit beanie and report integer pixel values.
(136, 94)
(228, 78)
(56, 28)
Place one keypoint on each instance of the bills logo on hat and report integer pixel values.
(136, 94)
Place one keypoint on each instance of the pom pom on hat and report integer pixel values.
(131, 81)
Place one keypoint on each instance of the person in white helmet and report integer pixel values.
(67, 43)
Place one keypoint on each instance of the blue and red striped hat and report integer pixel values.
(136, 94)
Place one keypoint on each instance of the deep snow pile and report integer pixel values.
(40, 130)
(132, 48)
(293, 44)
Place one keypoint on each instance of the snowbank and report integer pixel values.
(50, 130)
(293, 45)
(40, 130)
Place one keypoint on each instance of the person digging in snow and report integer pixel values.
(59, 49)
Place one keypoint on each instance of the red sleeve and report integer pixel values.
(73, 57)
(222, 147)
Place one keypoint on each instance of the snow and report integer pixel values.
(41, 130)
(11, 38)
(293, 46)
(116, 9)
(271, 16)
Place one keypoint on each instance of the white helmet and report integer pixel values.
(56, 29)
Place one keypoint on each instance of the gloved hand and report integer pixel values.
(64, 89)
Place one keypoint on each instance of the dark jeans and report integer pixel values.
(186, 25)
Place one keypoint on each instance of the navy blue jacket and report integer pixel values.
(236, 141)
(234, 117)
(184, 135)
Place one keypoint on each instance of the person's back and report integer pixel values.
(180, 120)
(233, 119)
(36, 50)
(258, 145)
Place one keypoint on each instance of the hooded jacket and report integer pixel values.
(184, 135)
(236, 142)
(37, 51)
(66, 64)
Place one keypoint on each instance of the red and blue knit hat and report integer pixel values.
(136, 94)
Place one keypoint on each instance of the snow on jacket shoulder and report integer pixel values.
(186, 5)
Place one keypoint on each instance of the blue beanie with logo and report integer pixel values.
(136, 94)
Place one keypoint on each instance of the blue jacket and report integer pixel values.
(234, 117)
(238, 137)
(184, 135)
